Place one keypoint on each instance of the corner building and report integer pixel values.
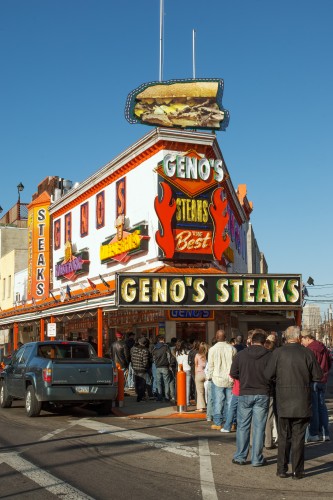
(165, 207)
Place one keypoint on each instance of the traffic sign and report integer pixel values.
(52, 330)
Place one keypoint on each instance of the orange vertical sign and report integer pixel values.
(39, 248)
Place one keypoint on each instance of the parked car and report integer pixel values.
(53, 374)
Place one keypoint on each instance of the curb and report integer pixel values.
(191, 415)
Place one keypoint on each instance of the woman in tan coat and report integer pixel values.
(200, 362)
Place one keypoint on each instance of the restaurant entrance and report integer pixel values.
(191, 330)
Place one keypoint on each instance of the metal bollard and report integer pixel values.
(121, 387)
(181, 390)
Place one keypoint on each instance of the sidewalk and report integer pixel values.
(156, 409)
(153, 409)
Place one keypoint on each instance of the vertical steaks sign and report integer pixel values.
(39, 248)
(191, 208)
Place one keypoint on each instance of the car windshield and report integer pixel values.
(66, 351)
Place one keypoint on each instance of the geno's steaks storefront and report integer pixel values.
(156, 241)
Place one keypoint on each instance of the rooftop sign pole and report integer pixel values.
(161, 40)
(193, 52)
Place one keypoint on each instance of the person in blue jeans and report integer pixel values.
(220, 358)
(162, 359)
(248, 367)
(231, 418)
(319, 420)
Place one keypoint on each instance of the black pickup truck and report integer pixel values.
(54, 374)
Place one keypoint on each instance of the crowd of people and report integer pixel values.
(270, 390)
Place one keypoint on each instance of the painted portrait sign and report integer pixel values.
(122, 245)
(73, 264)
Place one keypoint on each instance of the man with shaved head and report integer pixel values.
(248, 367)
(220, 358)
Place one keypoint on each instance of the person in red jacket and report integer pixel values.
(319, 419)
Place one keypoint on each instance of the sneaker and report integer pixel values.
(216, 427)
(209, 419)
(326, 438)
(224, 430)
(233, 428)
(312, 439)
(238, 463)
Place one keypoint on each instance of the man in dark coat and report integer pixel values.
(140, 357)
(162, 359)
(293, 368)
(119, 351)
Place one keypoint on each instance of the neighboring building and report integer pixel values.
(13, 258)
(254, 254)
(10, 264)
(263, 264)
(311, 319)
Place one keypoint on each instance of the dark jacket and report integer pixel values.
(140, 358)
(248, 367)
(322, 355)
(191, 357)
(293, 367)
(119, 352)
(161, 355)
(239, 347)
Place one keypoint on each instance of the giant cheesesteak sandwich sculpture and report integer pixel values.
(181, 103)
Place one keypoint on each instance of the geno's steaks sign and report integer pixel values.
(250, 291)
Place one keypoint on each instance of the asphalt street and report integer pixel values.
(152, 455)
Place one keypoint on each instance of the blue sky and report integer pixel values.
(68, 65)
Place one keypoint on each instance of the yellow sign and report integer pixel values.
(130, 242)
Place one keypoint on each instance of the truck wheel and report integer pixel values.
(5, 399)
(32, 405)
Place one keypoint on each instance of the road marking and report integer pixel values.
(176, 430)
(208, 489)
(141, 437)
(44, 479)
(51, 435)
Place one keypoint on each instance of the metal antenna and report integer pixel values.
(193, 51)
(161, 39)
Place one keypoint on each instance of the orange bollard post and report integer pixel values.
(121, 387)
(181, 390)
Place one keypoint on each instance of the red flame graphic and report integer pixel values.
(165, 210)
(218, 211)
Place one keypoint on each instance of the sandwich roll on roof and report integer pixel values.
(190, 89)
(181, 104)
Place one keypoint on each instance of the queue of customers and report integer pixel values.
(151, 367)
(269, 390)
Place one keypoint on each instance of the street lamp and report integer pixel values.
(20, 188)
